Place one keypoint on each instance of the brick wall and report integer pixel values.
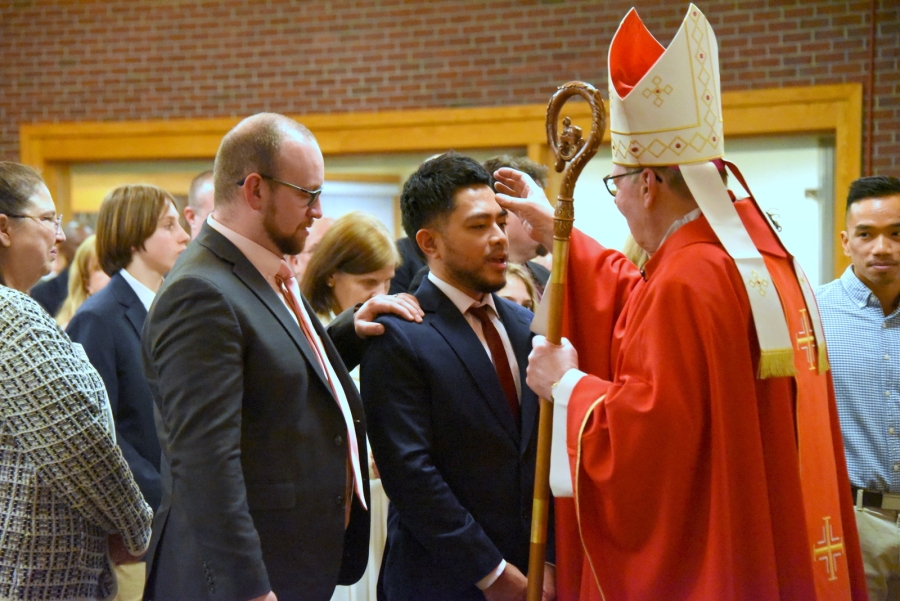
(163, 59)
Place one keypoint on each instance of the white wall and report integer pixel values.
(780, 172)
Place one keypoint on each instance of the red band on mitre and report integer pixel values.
(632, 53)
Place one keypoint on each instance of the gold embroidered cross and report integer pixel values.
(806, 338)
(831, 549)
(657, 89)
(759, 283)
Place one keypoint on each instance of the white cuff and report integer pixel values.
(560, 471)
(492, 577)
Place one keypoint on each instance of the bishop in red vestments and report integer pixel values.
(686, 465)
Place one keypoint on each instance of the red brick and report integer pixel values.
(137, 59)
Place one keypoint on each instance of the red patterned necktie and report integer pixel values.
(499, 357)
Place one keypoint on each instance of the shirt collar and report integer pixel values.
(144, 294)
(265, 261)
(858, 292)
(695, 214)
(463, 301)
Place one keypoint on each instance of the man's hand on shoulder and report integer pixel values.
(511, 585)
(404, 305)
(270, 596)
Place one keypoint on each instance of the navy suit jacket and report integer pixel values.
(254, 444)
(457, 469)
(51, 293)
(108, 325)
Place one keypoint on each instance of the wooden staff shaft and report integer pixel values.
(572, 154)
(540, 511)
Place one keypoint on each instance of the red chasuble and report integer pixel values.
(693, 478)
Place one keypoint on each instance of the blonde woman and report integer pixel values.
(86, 278)
(355, 261)
(520, 287)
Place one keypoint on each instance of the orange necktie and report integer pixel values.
(285, 279)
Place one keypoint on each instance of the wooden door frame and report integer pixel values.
(834, 110)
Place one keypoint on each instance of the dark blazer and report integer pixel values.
(410, 264)
(254, 443)
(108, 326)
(51, 293)
(458, 471)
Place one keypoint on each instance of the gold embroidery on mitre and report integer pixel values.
(760, 284)
(670, 140)
(831, 548)
(657, 90)
(806, 339)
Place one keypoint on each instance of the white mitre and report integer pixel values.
(665, 110)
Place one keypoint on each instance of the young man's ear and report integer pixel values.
(427, 239)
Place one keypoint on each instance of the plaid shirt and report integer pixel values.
(864, 351)
(64, 485)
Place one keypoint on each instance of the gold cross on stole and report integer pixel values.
(831, 549)
(806, 338)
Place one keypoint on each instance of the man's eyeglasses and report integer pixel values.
(612, 188)
(54, 222)
(313, 194)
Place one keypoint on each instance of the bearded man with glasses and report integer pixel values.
(262, 429)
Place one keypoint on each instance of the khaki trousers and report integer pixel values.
(131, 579)
(879, 537)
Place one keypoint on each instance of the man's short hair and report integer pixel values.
(427, 197)
(128, 216)
(537, 171)
(251, 147)
(875, 186)
(194, 190)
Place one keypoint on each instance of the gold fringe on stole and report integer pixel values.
(823, 364)
(776, 363)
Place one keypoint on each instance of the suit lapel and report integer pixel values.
(134, 309)
(455, 329)
(254, 280)
(520, 337)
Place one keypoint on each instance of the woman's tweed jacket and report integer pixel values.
(64, 486)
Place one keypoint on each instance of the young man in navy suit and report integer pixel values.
(138, 241)
(451, 421)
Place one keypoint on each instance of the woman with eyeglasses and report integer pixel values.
(68, 503)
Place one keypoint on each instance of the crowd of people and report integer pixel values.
(278, 405)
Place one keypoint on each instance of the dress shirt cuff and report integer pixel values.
(491, 578)
(560, 472)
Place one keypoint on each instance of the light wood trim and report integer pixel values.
(833, 109)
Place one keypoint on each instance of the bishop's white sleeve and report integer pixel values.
(560, 472)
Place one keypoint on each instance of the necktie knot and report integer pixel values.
(284, 275)
(482, 313)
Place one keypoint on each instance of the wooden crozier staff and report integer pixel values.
(572, 154)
